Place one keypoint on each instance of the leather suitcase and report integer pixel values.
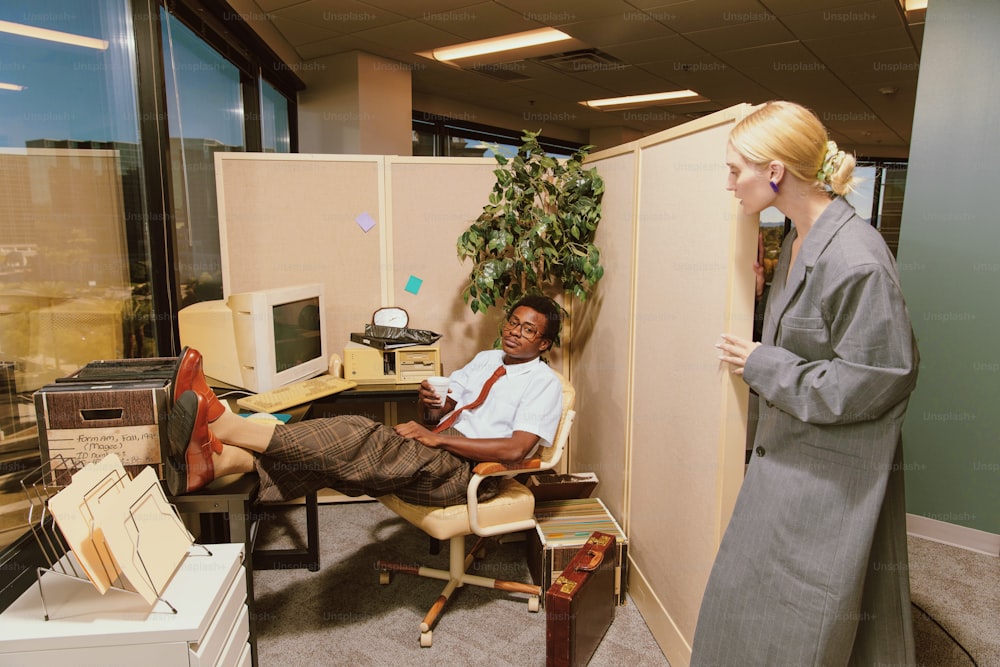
(580, 604)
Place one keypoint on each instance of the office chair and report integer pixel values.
(511, 510)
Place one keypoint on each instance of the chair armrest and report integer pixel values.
(491, 468)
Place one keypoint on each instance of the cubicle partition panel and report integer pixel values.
(375, 230)
(432, 201)
(684, 430)
(288, 219)
(599, 362)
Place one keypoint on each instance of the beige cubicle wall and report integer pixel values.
(602, 328)
(290, 218)
(432, 201)
(668, 426)
(287, 219)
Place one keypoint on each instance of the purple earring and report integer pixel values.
(774, 186)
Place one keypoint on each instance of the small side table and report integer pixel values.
(233, 504)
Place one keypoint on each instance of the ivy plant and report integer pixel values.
(536, 234)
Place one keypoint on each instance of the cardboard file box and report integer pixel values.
(85, 422)
(563, 527)
(579, 605)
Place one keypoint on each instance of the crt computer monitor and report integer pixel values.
(261, 339)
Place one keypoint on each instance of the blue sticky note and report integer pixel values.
(413, 284)
(365, 222)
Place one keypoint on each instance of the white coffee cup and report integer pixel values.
(440, 385)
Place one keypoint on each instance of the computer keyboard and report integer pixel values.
(296, 393)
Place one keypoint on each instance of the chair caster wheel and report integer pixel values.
(534, 604)
(384, 577)
(425, 639)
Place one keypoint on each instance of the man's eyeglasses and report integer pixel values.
(528, 330)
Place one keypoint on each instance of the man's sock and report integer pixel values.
(246, 432)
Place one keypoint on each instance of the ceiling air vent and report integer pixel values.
(584, 60)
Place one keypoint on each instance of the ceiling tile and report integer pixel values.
(860, 43)
(409, 36)
(618, 29)
(693, 16)
(331, 47)
(416, 10)
(271, 5)
(672, 48)
(561, 12)
(338, 16)
(627, 81)
(480, 21)
(867, 17)
(714, 80)
(566, 87)
(740, 35)
(885, 68)
(299, 32)
(785, 7)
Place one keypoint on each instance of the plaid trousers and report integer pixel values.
(358, 456)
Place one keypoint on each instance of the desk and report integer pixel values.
(393, 399)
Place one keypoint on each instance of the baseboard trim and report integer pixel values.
(954, 535)
(658, 620)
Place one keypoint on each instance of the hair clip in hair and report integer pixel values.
(831, 162)
(774, 186)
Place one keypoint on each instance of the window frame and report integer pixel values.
(223, 29)
(445, 128)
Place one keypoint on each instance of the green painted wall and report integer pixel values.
(949, 262)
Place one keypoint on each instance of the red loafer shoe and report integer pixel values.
(190, 375)
(189, 461)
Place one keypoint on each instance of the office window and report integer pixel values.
(274, 126)
(437, 136)
(74, 244)
(883, 194)
(205, 116)
(85, 169)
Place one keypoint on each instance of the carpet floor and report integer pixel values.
(340, 615)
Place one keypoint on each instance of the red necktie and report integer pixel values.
(453, 417)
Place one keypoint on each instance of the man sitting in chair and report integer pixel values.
(520, 411)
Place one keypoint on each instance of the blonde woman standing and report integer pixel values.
(812, 569)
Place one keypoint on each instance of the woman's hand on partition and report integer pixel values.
(735, 351)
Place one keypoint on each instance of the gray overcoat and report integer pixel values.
(812, 569)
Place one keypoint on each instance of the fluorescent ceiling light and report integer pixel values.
(53, 35)
(518, 40)
(10, 86)
(638, 100)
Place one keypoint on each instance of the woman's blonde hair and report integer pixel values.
(793, 135)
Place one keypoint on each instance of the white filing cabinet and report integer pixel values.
(211, 626)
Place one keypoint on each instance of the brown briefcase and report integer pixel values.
(580, 604)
